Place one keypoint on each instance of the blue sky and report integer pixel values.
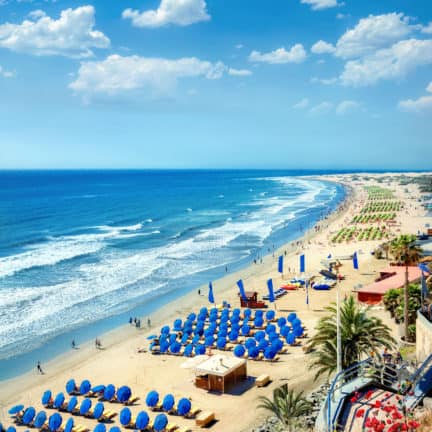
(212, 83)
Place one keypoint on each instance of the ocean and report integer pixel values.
(81, 251)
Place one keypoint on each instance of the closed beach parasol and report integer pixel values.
(253, 352)
(296, 323)
(69, 425)
(273, 336)
(109, 392)
(270, 315)
(73, 402)
(209, 341)
(260, 335)
(258, 322)
(239, 351)
(125, 416)
(298, 331)
(233, 335)
(142, 420)
(160, 422)
(290, 339)
(85, 387)
(40, 419)
(168, 402)
(250, 343)
(71, 386)
(284, 330)
(292, 316)
(245, 330)
(123, 394)
(175, 347)
(188, 351)
(184, 406)
(165, 330)
(152, 399)
(16, 409)
(98, 410)
(221, 343)
(46, 397)
(85, 406)
(100, 428)
(55, 422)
(200, 349)
(270, 353)
(59, 401)
(29, 415)
(192, 317)
(277, 344)
(263, 344)
(98, 389)
(281, 322)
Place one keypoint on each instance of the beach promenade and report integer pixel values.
(120, 363)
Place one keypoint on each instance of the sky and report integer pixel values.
(325, 84)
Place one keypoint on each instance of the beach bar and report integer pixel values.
(220, 373)
(391, 277)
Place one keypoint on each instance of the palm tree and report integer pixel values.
(287, 405)
(405, 251)
(361, 335)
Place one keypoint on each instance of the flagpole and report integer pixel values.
(338, 326)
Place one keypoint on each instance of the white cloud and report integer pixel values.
(389, 63)
(321, 108)
(239, 72)
(38, 13)
(372, 33)
(296, 54)
(322, 47)
(304, 103)
(6, 73)
(346, 107)
(423, 103)
(179, 12)
(239, 46)
(72, 35)
(427, 29)
(321, 4)
(116, 75)
(325, 81)
(341, 16)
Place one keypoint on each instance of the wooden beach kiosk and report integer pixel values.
(220, 373)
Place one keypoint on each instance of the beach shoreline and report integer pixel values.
(88, 361)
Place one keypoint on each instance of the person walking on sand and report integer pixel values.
(73, 345)
(39, 368)
(148, 323)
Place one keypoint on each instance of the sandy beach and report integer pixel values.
(120, 363)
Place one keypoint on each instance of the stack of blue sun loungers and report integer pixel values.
(280, 292)
(224, 329)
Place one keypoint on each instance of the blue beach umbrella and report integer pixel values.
(178, 325)
(98, 410)
(123, 394)
(214, 310)
(270, 353)
(298, 331)
(142, 420)
(233, 335)
(168, 402)
(54, 422)
(184, 339)
(184, 406)
(200, 349)
(40, 419)
(10, 429)
(16, 409)
(191, 317)
(196, 339)
(29, 415)
(250, 343)
(151, 337)
(204, 311)
(109, 392)
(281, 322)
(69, 425)
(292, 316)
(223, 332)
(239, 351)
(260, 335)
(245, 330)
(115, 429)
(209, 341)
(85, 387)
(259, 313)
(160, 422)
(188, 351)
(271, 328)
(59, 401)
(175, 348)
(247, 313)
(277, 344)
(125, 416)
(85, 406)
(208, 332)
(152, 399)
(235, 327)
(263, 344)
(296, 323)
(163, 347)
(46, 397)
(100, 428)
(290, 339)
(172, 338)
(258, 322)
(73, 402)
(253, 352)
(221, 343)
(284, 331)
(165, 330)
(71, 386)
(273, 336)
(98, 389)
(235, 319)
(236, 312)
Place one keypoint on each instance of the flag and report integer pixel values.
(302, 263)
(307, 291)
(241, 288)
(210, 294)
(355, 261)
(280, 264)
(424, 268)
(328, 256)
(270, 289)
(424, 288)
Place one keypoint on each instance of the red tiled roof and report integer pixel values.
(395, 281)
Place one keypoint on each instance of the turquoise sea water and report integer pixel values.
(81, 251)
